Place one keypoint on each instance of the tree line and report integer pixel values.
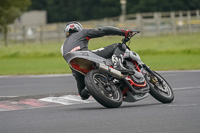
(68, 10)
(9, 11)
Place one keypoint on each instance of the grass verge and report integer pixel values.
(57, 65)
(180, 52)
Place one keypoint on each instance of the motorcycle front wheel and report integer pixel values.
(103, 90)
(161, 91)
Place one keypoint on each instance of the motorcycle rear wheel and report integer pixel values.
(103, 89)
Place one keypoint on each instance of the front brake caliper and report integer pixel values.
(153, 79)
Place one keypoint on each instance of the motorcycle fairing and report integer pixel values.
(133, 55)
(82, 61)
(133, 98)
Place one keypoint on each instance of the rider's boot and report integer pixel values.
(118, 62)
(84, 94)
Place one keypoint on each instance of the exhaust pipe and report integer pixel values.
(113, 72)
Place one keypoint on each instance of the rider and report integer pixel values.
(77, 40)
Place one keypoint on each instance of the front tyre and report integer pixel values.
(160, 90)
(103, 90)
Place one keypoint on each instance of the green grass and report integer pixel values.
(180, 52)
(187, 44)
(21, 66)
(172, 61)
(30, 50)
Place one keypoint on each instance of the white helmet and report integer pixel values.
(72, 27)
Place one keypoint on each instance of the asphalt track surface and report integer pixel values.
(146, 116)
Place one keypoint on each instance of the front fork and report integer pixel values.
(154, 77)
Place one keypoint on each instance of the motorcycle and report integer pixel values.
(130, 81)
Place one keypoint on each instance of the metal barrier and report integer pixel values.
(150, 24)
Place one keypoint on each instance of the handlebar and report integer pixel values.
(126, 39)
(136, 31)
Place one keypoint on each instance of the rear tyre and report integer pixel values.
(103, 90)
(160, 91)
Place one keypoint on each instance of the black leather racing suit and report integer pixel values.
(79, 41)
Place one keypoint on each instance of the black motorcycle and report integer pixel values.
(111, 81)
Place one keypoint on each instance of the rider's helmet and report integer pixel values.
(72, 27)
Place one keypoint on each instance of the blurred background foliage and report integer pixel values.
(68, 10)
(9, 11)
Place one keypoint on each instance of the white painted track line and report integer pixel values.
(186, 88)
(35, 76)
(67, 100)
(63, 75)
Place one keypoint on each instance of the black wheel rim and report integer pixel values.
(106, 87)
(163, 88)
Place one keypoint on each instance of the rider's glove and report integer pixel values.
(127, 33)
